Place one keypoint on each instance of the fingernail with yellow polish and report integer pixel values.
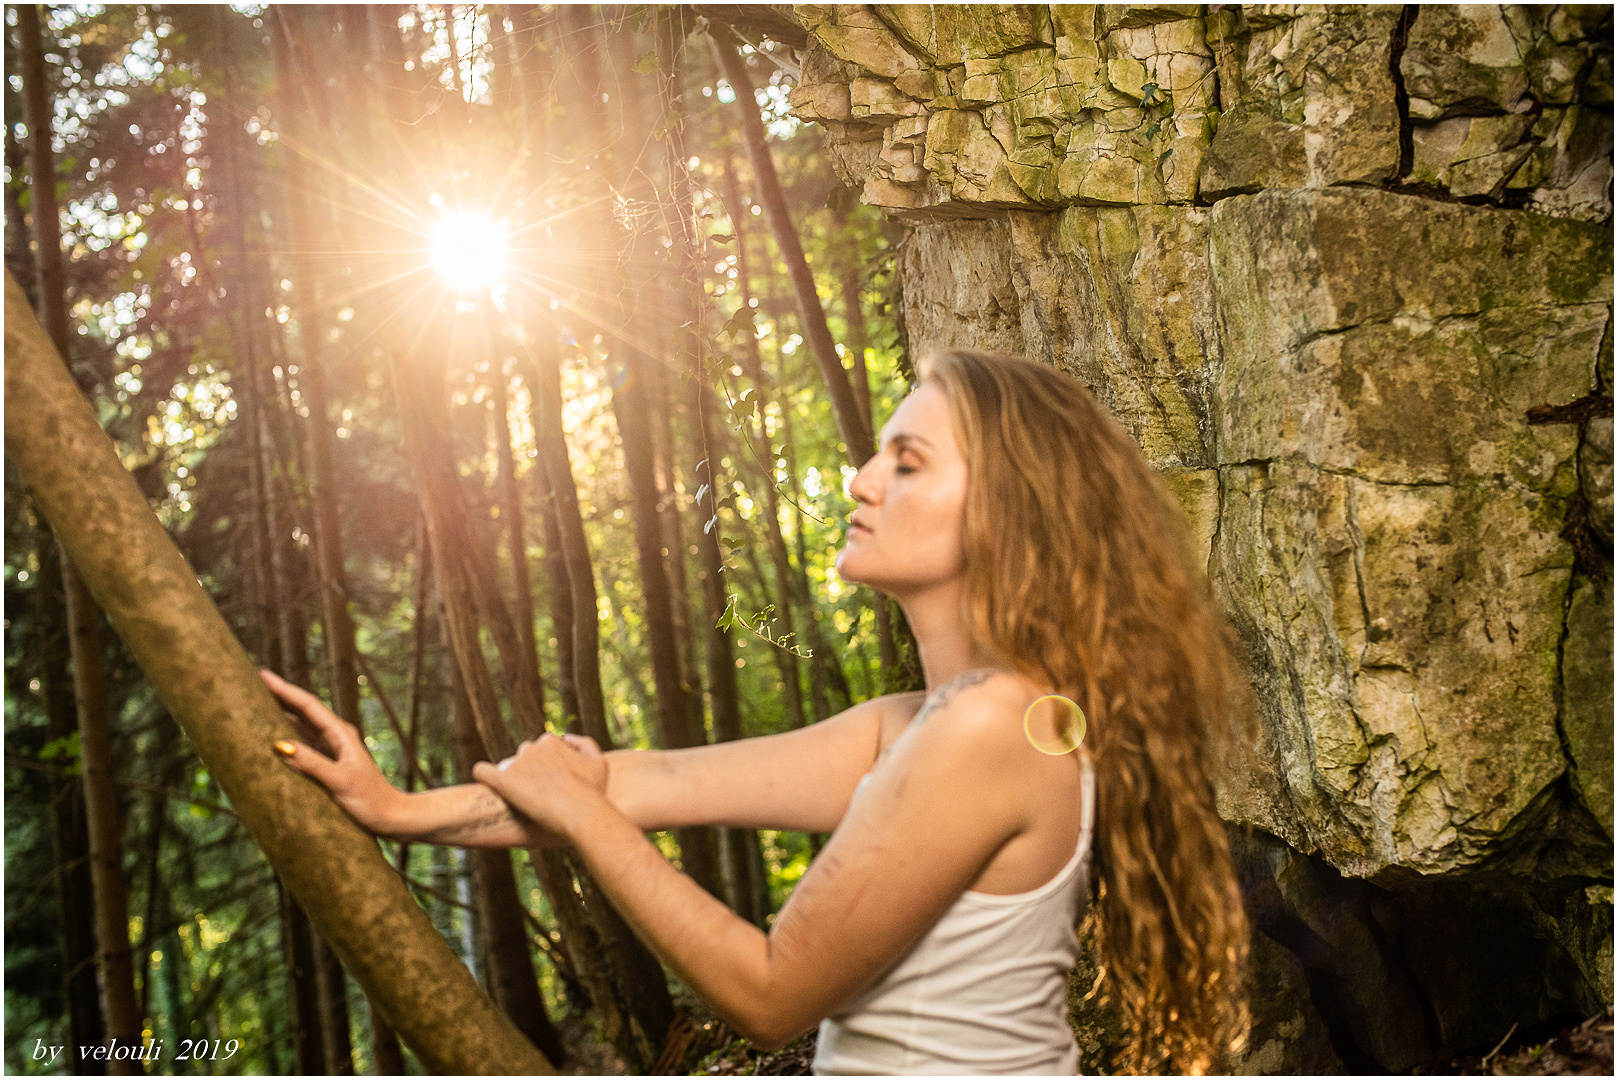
(284, 747)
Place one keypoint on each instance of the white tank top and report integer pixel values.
(985, 991)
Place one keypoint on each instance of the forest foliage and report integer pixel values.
(297, 235)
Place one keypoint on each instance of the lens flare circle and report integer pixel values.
(1054, 724)
(469, 250)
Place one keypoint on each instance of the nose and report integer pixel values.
(863, 486)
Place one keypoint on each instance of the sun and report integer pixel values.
(469, 250)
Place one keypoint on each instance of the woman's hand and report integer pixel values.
(352, 776)
(551, 780)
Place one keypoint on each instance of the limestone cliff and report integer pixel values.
(1345, 273)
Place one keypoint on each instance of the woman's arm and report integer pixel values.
(937, 809)
(798, 780)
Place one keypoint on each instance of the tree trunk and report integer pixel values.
(856, 434)
(297, 946)
(174, 633)
(114, 965)
(511, 512)
(698, 847)
(564, 502)
(510, 970)
(786, 659)
(665, 455)
(855, 340)
(70, 833)
(277, 623)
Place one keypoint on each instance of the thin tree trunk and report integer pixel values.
(303, 990)
(564, 502)
(173, 631)
(510, 970)
(114, 964)
(276, 622)
(786, 660)
(698, 847)
(850, 425)
(511, 512)
(70, 833)
(855, 339)
(855, 342)
(114, 961)
(665, 456)
(826, 679)
(337, 621)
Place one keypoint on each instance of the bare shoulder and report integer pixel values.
(978, 711)
(971, 693)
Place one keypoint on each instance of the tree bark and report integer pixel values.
(665, 455)
(853, 428)
(70, 834)
(564, 502)
(510, 970)
(202, 674)
(511, 512)
(698, 847)
(114, 960)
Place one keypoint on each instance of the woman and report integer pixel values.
(1034, 552)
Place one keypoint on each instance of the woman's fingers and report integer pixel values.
(308, 760)
(337, 731)
(583, 744)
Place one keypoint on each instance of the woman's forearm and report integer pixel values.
(721, 957)
(471, 815)
(463, 815)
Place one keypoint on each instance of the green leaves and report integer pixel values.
(66, 750)
(739, 323)
(732, 617)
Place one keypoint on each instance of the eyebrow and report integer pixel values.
(904, 440)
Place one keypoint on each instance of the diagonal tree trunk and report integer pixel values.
(208, 683)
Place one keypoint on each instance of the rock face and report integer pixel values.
(1345, 274)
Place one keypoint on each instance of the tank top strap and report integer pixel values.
(1087, 796)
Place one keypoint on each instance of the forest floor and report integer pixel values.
(703, 1045)
(1582, 1050)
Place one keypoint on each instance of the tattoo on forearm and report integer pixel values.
(491, 812)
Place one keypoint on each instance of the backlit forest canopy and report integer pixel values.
(411, 321)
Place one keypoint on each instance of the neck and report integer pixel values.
(944, 641)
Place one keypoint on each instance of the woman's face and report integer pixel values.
(908, 532)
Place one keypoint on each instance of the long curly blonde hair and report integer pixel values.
(1080, 573)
